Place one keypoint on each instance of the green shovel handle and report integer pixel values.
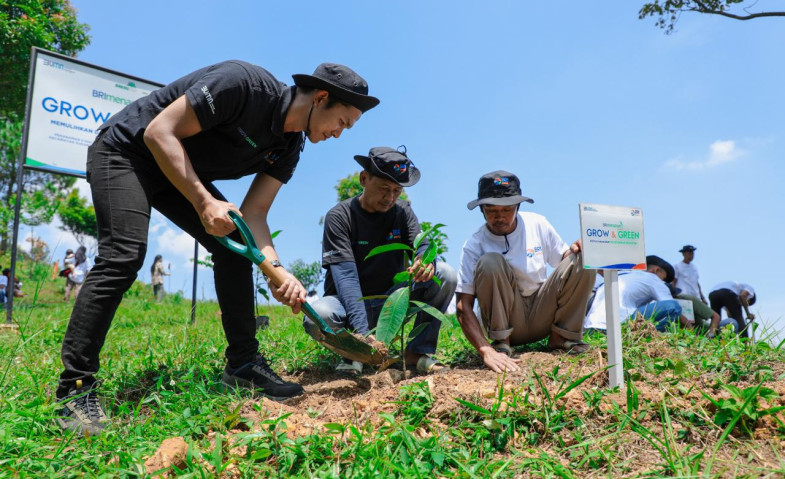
(249, 249)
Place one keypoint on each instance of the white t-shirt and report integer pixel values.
(532, 245)
(3, 280)
(636, 289)
(687, 278)
(79, 271)
(735, 287)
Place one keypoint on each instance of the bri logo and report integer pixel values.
(394, 235)
(589, 208)
(399, 168)
(501, 181)
(532, 252)
(635, 212)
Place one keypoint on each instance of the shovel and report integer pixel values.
(341, 342)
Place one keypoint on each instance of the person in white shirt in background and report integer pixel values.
(733, 297)
(503, 265)
(640, 293)
(79, 271)
(687, 277)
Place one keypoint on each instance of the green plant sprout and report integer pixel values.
(398, 309)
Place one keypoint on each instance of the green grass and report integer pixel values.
(691, 407)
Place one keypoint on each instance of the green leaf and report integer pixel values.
(417, 329)
(402, 277)
(373, 296)
(388, 247)
(392, 315)
(474, 407)
(275, 233)
(431, 310)
(418, 239)
(430, 254)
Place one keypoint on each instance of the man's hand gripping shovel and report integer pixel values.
(342, 341)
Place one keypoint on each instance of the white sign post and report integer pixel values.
(612, 238)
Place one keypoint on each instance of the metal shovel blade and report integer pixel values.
(344, 343)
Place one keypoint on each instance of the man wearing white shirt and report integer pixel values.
(687, 274)
(640, 293)
(733, 297)
(503, 265)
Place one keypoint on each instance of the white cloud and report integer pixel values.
(720, 152)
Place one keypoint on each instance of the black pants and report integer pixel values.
(124, 188)
(725, 298)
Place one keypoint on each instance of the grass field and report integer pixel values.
(691, 407)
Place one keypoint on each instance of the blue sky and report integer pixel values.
(584, 104)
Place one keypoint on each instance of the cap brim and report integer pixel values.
(361, 102)
(503, 201)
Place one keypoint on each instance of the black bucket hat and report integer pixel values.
(686, 248)
(499, 188)
(657, 261)
(391, 164)
(341, 82)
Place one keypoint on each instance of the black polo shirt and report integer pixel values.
(350, 233)
(241, 109)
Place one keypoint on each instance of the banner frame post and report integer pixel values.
(613, 323)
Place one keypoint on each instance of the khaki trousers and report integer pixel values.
(558, 306)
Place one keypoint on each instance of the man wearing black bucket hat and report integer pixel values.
(352, 229)
(163, 151)
(503, 266)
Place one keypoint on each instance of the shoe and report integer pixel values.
(349, 367)
(259, 378)
(81, 412)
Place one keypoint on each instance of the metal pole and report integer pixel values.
(613, 324)
(193, 292)
(19, 190)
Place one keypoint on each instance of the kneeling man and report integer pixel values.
(352, 229)
(503, 265)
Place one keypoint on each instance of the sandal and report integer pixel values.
(428, 365)
(571, 347)
(502, 347)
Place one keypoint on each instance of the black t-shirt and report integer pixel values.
(241, 109)
(350, 233)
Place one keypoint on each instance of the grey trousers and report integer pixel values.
(558, 306)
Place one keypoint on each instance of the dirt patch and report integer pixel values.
(172, 452)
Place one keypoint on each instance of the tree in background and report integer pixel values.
(667, 12)
(78, 217)
(309, 274)
(49, 24)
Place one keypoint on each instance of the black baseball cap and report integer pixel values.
(341, 82)
(500, 188)
(391, 164)
(686, 248)
(657, 261)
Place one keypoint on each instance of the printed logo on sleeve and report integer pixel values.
(209, 98)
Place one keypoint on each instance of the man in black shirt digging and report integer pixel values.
(352, 229)
(162, 151)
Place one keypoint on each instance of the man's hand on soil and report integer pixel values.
(499, 362)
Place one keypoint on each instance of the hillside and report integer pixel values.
(691, 407)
